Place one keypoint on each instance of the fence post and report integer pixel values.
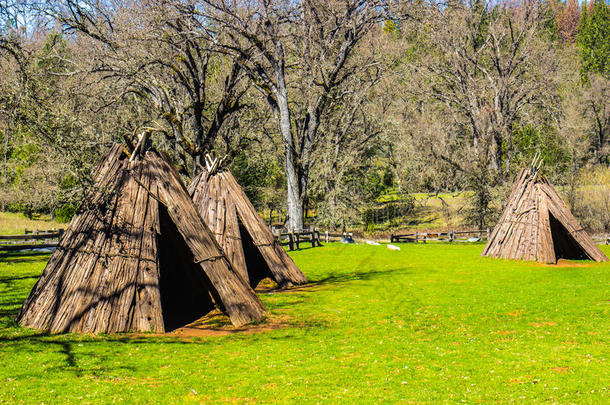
(487, 233)
(415, 236)
(451, 236)
(291, 241)
(326, 234)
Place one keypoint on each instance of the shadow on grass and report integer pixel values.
(345, 278)
(103, 348)
(96, 349)
(10, 280)
(20, 257)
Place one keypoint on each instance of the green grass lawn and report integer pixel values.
(431, 323)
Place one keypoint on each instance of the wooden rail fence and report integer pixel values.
(451, 236)
(47, 239)
(30, 240)
(293, 239)
(464, 236)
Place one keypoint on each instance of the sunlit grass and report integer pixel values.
(428, 324)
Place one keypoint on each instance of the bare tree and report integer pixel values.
(297, 54)
(489, 67)
(597, 109)
(46, 149)
(155, 51)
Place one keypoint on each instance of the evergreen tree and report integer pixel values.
(594, 39)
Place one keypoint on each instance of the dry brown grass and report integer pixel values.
(592, 203)
(13, 224)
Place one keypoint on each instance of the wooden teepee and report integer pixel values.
(136, 257)
(537, 225)
(240, 231)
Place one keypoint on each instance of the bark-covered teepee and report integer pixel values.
(537, 225)
(137, 256)
(240, 231)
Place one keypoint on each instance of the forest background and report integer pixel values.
(346, 114)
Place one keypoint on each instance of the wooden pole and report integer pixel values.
(291, 241)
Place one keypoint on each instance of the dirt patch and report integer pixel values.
(561, 369)
(522, 380)
(515, 313)
(543, 323)
(571, 263)
(565, 263)
(217, 324)
(267, 286)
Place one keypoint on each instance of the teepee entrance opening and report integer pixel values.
(257, 267)
(564, 244)
(183, 286)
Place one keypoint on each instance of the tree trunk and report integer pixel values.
(294, 198)
(199, 134)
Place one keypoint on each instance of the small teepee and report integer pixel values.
(240, 231)
(136, 257)
(537, 225)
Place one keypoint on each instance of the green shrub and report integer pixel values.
(65, 213)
